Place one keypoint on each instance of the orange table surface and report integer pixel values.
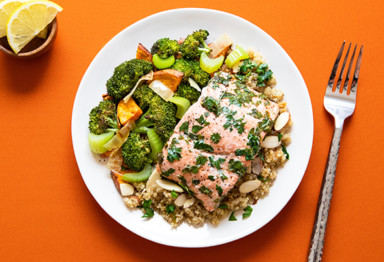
(47, 213)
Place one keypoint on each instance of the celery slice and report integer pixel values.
(140, 176)
(155, 142)
(162, 63)
(210, 65)
(97, 142)
(182, 104)
(236, 56)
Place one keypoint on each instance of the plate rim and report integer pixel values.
(176, 10)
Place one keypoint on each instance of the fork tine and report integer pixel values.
(356, 74)
(338, 84)
(346, 82)
(334, 69)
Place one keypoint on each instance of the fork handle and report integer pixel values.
(317, 239)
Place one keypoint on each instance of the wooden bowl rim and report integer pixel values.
(34, 52)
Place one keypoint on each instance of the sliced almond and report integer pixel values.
(151, 182)
(126, 189)
(189, 202)
(281, 121)
(180, 200)
(270, 142)
(257, 165)
(249, 186)
(169, 185)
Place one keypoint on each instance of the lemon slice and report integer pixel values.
(28, 21)
(7, 8)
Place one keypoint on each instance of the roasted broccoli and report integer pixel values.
(160, 113)
(103, 118)
(195, 44)
(191, 69)
(125, 77)
(165, 47)
(135, 152)
(188, 92)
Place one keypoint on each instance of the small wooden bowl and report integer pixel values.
(36, 47)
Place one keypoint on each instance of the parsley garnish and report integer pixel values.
(170, 209)
(212, 178)
(168, 172)
(195, 181)
(174, 194)
(219, 190)
(285, 151)
(247, 212)
(191, 169)
(184, 127)
(201, 160)
(211, 104)
(223, 206)
(203, 146)
(174, 153)
(196, 128)
(264, 74)
(232, 217)
(215, 138)
(263, 179)
(279, 136)
(256, 114)
(206, 191)
(216, 163)
(147, 208)
(232, 122)
(237, 167)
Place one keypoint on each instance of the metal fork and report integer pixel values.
(340, 106)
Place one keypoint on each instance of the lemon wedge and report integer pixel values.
(28, 21)
(7, 8)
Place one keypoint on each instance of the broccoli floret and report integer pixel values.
(165, 47)
(125, 77)
(195, 44)
(191, 69)
(160, 113)
(103, 118)
(135, 152)
(188, 92)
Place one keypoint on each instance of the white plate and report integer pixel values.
(175, 24)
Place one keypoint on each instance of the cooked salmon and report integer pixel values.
(215, 141)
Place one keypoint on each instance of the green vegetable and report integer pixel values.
(162, 63)
(182, 104)
(125, 77)
(247, 212)
(285, 151)
(264, 74)
(141, 130)
(195, 44)
(191, 69)
(219, 190)
(140, 176)
(215, 138)
(174, 153)
(103, 118)
(232, 217)
(170, 209)
(211, 104)
(188, 92)
(223, 206)
(147, 208)
(237, 167)
(196, 128)
(168, 172)
(210, 65)
(136, 152)
(236, 56)
(156, 144)
(164, 48)
(200, 144)
(97, 142)
(205, 190)
(174, 194)
(184, 127)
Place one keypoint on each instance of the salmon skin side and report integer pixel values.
(215, 141)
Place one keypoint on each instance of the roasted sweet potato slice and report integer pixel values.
(220, 46)
(143, 53)
(169, 77)
(128, 110)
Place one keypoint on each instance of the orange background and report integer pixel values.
(47, 213)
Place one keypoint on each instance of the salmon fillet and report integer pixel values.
(215, 141)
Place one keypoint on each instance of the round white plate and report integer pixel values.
(176, 24)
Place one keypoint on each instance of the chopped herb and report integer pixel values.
(196, 128)
(216, 163)
(285, 151)
(247, 152)
(191, 169)
(279, 136)
(247, 65)
(195, 181)
(265, 124)
(168, 172)
(170, 209)
(256, 114)
(211, 104)
(184, 127)
(263, 179)
(232, 122)
(247, 212)
(174, 194)
(206, 114)
(232, 217)
(223, 177)
(201, 120)
(147, 208)
(223, 206)
(203, 146)
(212, 178)
(174, 153)
(206, 191)
(264, 74)
(215, 138)
(242, 96)
(237, 167)
(219, 190)
(201, 160)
